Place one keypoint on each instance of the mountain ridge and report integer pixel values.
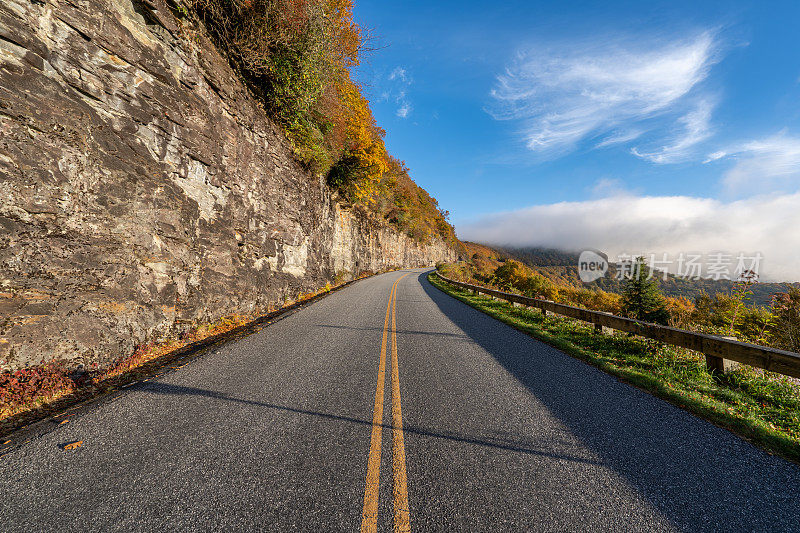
(561, 267)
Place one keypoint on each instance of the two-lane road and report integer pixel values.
(390, 405)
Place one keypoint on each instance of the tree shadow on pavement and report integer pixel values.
(156, 387)
(699, 476)
(399, 331)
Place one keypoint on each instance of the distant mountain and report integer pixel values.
(546, 257)
(561, 267)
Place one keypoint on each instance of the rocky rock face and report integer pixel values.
(142, 188)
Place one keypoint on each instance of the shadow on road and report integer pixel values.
(697, 475)
(399, 331)
(178, 390)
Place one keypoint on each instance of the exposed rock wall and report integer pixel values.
(142, 188)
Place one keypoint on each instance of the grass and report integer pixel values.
(761, 407)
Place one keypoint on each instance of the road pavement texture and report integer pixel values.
(299, 427)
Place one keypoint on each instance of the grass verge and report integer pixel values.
(761, 407)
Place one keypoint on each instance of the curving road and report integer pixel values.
(492, 431)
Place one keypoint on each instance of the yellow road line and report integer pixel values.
(402, 516)
(369, 515)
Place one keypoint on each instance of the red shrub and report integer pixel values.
(28, 384)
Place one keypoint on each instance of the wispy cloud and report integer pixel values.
(772, 163)
(605, 187)
(399, 73)
(402, 82)
(656, 224)
(569, 93)
(620, 137)
(696, 128)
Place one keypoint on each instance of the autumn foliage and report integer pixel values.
(297, 55)
(776, 325)
(27, 388)
(489, 267)
(43, 381)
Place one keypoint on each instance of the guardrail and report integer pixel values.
(720, 352)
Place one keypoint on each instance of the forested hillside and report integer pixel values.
(562, 268)
(731, 313)
(297, 56)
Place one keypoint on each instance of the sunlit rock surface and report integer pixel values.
(142, 189)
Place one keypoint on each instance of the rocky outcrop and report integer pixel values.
(142, 188)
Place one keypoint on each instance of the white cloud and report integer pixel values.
(696, 129)
(620, 137)
(398, 73)
(403, 110)
(715, 155)
(657, 224)
(402, 81)
(766, 164)
(572, 93)
(605, 187)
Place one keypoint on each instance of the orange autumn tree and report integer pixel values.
(345, 34)
(298, 56)
(364, 160)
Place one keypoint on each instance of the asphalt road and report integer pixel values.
(500, 432)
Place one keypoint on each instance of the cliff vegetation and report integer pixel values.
(297, 56)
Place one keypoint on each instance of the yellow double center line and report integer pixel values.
(369, 516)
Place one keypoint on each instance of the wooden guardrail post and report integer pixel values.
(599, 328)
(719, 365)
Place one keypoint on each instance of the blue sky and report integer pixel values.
(624, 126)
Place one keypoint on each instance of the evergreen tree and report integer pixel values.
(786, 307)
(641, 297)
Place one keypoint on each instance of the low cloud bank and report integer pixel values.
(657, 224)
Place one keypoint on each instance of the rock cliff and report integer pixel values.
(142, 188)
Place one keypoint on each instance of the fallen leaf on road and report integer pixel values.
(63, 422)
(73, 445)
(7, 442)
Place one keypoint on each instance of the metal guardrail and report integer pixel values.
(719, 351)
